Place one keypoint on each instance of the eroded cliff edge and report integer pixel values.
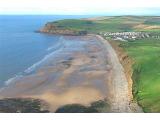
(127, 63)
(52, 28)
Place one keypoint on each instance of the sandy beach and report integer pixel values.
(85, 70)
(78, 73)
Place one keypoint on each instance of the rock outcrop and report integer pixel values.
(50, 28)
(23, 105)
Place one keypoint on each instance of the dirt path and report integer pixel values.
(120, 101)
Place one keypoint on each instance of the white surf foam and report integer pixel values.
(9, 81)
(56, 46)
(55, 49)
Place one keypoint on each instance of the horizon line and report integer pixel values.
(86, 14)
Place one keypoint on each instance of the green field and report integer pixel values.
(144, 52)
(111, 24)
(146, 76)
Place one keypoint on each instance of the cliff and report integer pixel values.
(51, 28)
(127, 63)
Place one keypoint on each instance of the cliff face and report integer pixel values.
(53, 29)
(127, 63)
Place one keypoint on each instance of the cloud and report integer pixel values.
(73, 6)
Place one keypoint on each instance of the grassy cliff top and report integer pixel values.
(146, 71)
(111, 24)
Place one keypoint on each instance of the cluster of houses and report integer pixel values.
(124, 36)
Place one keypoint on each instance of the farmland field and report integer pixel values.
(112, 24)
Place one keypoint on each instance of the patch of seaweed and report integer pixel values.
(95, 107)
(22, 105)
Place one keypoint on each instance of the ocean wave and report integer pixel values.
(12, 79)
(54, 50)
(57, 46)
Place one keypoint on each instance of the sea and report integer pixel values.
(21, 47)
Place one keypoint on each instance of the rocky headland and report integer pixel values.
(52, 28)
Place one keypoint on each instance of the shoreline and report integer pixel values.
(34, 66)
(127, 63)
(122, 109)
(120, 100)
(67, 77)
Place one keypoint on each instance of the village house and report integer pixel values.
(125, 35)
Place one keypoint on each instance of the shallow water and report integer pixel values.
(79, 69)
(21, 47)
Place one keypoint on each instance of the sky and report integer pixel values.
(81, 7)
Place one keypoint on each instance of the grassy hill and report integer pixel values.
(111, 24)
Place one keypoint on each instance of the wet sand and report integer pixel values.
(78, 73)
